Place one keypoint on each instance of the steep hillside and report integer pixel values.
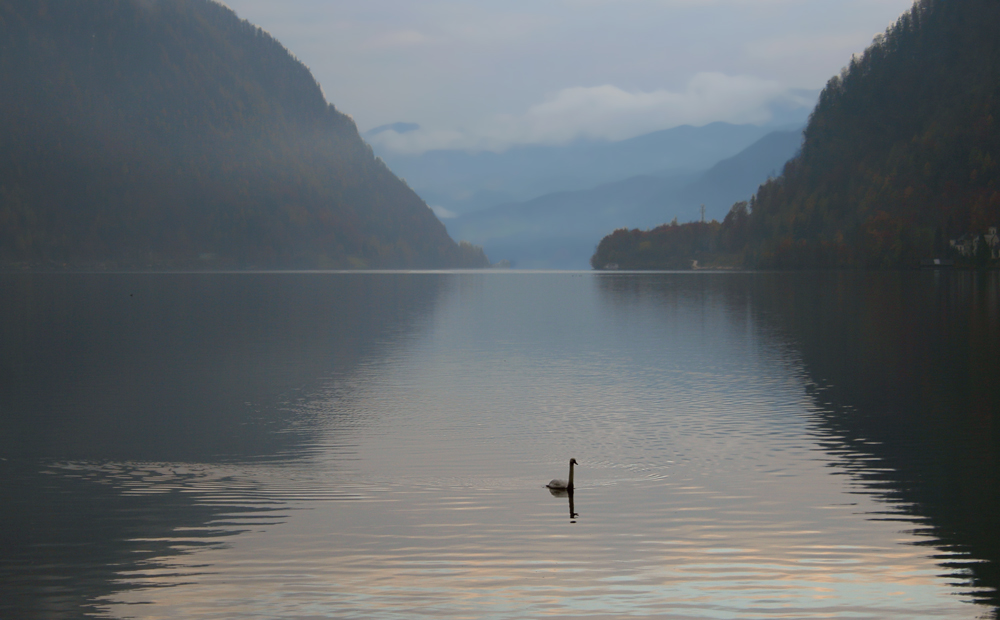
(142, 134)
(902, 153)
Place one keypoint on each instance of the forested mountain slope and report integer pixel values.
(901, 156)
(901, 153)
(144, 134)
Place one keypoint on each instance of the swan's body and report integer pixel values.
(566, 485)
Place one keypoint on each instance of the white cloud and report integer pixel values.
(608, 112)
(443, 213)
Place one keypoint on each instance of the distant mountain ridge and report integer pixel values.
(142, 134)
(560, 230)
(738, 177)
(462, 182)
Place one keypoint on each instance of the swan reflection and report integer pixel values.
(573, 514)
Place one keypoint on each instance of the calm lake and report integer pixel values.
(376, 445)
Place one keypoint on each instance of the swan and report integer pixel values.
(564, 484)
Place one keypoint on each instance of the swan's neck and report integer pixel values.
(570, 483)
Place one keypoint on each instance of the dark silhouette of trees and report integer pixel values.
(671, 246)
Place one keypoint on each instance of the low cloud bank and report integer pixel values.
(609, 113)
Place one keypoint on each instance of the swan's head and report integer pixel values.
(572, 462)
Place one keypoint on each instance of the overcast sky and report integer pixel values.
(489, 74)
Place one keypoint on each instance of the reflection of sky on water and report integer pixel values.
(507, 562)
(702, 492)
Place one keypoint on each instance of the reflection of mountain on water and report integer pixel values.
(73, 534)
(905, 372)
(183, 367)
(150, 371)
(906, 368)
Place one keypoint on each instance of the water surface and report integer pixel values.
(376, 445)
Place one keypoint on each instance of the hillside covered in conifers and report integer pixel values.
(900, 157)
(138, 134)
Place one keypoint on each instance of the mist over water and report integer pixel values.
(376, 445)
